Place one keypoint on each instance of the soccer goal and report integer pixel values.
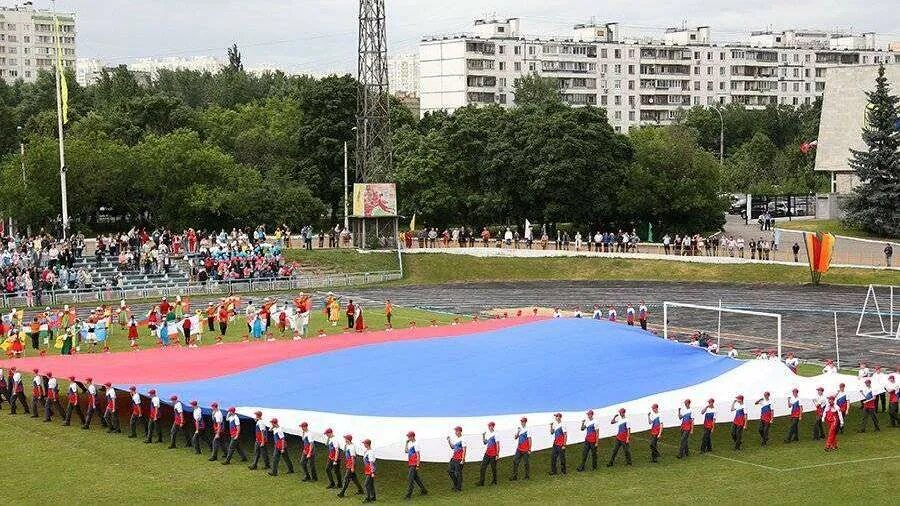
(880, 306)
(719, 311)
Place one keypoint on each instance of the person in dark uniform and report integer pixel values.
(93, 402)
(656, 427)
(218, 431)
(523, 450)
(413, 460)
(52, 398)
(199, 428)
(369, 470)
(279, 449)
(868, 405)
(153, 425)
(491, 454)
(560, 438)
(333, 464)
(457, 458)
(709, 425)
(589, 425)
(261, 436)
(687, 427)
(739, 422)
(137, 413)
(766, 415)
(178, 424)
(37, 393)
(796, 414)
(110, 414)
(623, 437)
(73, 404)
(307, 454)
(233, 421)
(350, 466)
(893, 389)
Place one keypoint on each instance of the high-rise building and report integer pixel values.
(403, 74)
(637, 81)
(28, 41)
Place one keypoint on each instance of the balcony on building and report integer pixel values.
(583, 83)
(480, 47)
(665, 69)
(577, 67)
(579, 99)
(837, 57)
(481, 97)
(478, 64)
(665, 54)
(666, 101)
(481, 81)
(665, 84)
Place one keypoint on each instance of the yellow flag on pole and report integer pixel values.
(63, 86)
(412, 223)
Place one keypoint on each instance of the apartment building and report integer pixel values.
(28, 43)
(403, 74)
(637, 81)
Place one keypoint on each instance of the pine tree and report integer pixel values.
(875, 203)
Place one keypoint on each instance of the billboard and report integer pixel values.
(374, 200)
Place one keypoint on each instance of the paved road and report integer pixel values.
(808, 318)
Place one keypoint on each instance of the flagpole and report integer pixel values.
(62, 149)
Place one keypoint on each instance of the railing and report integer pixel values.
(211, 287)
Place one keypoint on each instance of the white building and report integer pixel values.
(28, 43)
(403, 74)
(638, 82)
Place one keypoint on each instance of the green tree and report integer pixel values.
(534, 89)
(875, 203)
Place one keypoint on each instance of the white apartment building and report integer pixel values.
(28, 43)
(403, 74)
(638, 82)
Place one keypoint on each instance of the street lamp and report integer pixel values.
(721, 136)
(22, 154)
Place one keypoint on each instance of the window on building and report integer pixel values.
(602, 99)
(630, 85)
(696, 70)
(631, 53)
(709, 85)
(784, 87)
(722, 86)
(630, 115)
(617, 53)
(796, 72)
(617, 84)
(27, 74)
(531, 50)
(794, 100)
(603, 53)
(796, 88)
(517, 66)
(617, 100)
(531, 66)
(501, 82)
(806, 58)
(502, 66)
(796, 58)
(696, 100)
(696, 85)
(865, 59)
(709, 55)
(807, 87)
(501, 49)
(501, 29)
(806, 73)
(618, 69)
(721, 71)
(618, 115)
(603, 68)
(696, 55)
(722, 56)
(631, 70)
(709, 71)
(517, 50)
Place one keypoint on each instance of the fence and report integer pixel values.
(57, 298)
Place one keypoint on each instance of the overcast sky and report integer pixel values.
(320, 35)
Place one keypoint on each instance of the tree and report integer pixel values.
(533, 89)
(673, 183)
(235, 63)
(875, 203)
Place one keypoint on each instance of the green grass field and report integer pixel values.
(423, 269)
(48, 464)
(836, 227)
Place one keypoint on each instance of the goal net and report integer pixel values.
(719, 324)
(880, 313)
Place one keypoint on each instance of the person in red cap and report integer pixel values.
(709, 425)
(280, 449)
(560, 436)
(218, 430)
(152, 420)
(656, 427)
(17, 391)
(261, 436)
(199, 427)
(523, 450)
(623, 437)
(766, 415)
(589, 425)
(893, 389)
(350, 466)
(369, 469)
(178, 423)
(37, 393)
(137, 415)
(491, 454)
(834, 417)
(868, 406)
(413, 461)
(820, 402)
(92, 403)
(233, 422)
(110, 413)
(72, 403)
(686, 414)
(52, 390)
(333, 462)
(307, 454)
(739, 422)
(793, 404)
(457, 458)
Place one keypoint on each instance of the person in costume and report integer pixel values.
(833, 416)
(358, 318)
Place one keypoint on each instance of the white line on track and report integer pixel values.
(813, 466)
(770, 468)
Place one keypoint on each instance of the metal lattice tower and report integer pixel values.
(373, 129)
